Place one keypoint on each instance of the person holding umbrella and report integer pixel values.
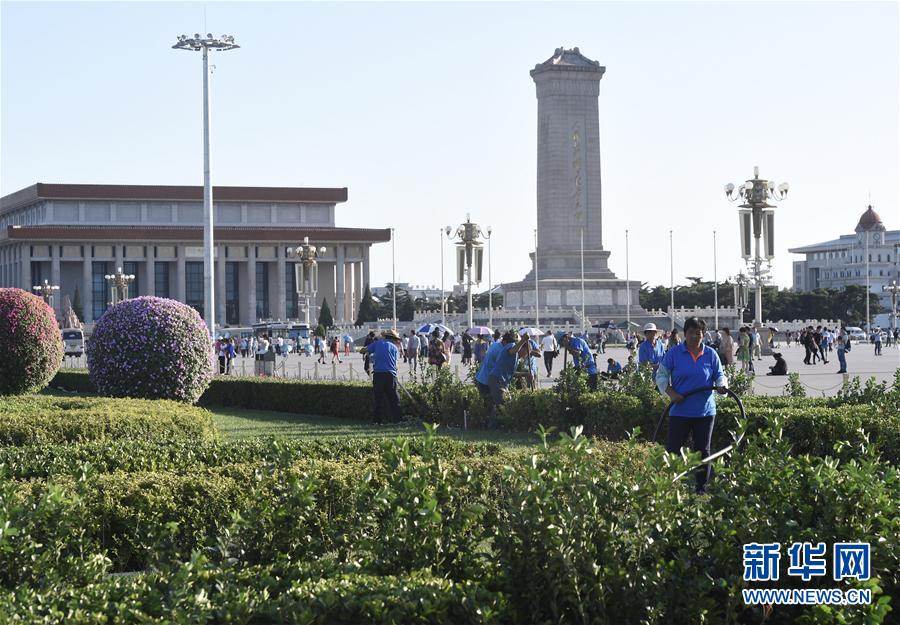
(384, 355)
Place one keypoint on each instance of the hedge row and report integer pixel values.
(561, 536)
(815, 426)
(47, 419)
(266, 594)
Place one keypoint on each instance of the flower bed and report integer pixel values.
(31, 348)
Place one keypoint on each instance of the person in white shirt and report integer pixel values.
(412, 350)
(279, 345)
(404, 344)
(262, 346)
(551, 349)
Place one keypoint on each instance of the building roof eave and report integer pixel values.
(195, 233)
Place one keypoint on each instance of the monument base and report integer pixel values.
(602, 298)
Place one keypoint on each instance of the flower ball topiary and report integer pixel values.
(31, 347)
(151, 348)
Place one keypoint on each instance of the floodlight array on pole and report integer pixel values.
(204, 45)
(46, 291)
(468, 235)
(755, 194)
(118, 286)
(306, 272)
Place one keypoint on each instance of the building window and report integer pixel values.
(99, 290)
(161, 275)
(131, 267)
(879, 258)
(193, 285)
(262, 290)
(37, 274)
(290, 291)
(232, 297)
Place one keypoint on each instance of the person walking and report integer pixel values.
(550, 349)
(726, 347)
(877, 340)
(412, 351)
(320, 346)
(743, 352)
(685, 368)
(466, 349)
(384, 354)
(437, 350)
(230, 354)
(335, 350)
(651, 349)
(367, 359)
(843, 346)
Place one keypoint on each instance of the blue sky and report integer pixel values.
(426, 112)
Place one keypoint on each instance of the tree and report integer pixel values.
(77, 306)
(325, 318)
(368, 308)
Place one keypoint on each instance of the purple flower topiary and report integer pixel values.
(151, 348)
(31, 347)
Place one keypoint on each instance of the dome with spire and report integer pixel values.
(869, 221)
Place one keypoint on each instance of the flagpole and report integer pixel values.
(715, 284)
(582, 282)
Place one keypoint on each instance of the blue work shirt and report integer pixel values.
(584, 359)
(653, 354)
(504, 362)
(384, 356)
(490, 357)
(613, 367)
(685, 373)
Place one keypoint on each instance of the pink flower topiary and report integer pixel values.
(151, 348)
(31, 347)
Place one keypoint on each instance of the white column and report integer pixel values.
(281, 306)
(365, 266)
(149, 272)
(250, 318)
(87, 280)
(180, 273)
(54, 279)
(24, 260)
(220, 285)
(339, 292)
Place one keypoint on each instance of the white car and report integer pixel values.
(73, 341)
(856, 334)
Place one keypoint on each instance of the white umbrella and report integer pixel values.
(479, 330)
(530, 332)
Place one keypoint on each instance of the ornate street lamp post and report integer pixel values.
(893, 289)
(46, 291)
(741, 295)
(306, 272)
(205, 44)
(488, 232)
(469, 245)
(118, 286)
(756, 210)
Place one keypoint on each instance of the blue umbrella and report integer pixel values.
(428, 328)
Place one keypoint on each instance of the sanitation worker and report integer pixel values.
(688, 366)
(384, 354)
(652, 349)
(582, 358)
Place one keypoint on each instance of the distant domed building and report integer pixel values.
(842, 261)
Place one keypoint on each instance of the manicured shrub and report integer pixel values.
(151, 348)
(45, 419)
(31, 348)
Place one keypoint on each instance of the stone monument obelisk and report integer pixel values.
(569, 190)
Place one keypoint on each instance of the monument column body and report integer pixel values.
(568, 166)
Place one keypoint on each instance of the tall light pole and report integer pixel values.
(306, 272)
(741, 287)
(537, 307)
(443, 307)
(627, 290)
(715, 283)
(868, 287)
(394, 276)
(204, 44)
(671, 281)
(488, 232)
(468, 235)
(46, 291)
(582, 281)
(118, 286)
(755, 194)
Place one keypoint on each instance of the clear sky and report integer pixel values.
(426, 111)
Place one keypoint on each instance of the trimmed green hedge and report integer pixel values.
(47, 419)
(308, 594)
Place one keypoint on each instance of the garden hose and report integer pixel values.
(722, 451)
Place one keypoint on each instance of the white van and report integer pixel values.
(856, 334)
(73, 341)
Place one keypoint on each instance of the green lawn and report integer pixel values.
(237, 423)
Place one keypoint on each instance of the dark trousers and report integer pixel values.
(548, 361)
(700, 430)
(385, 387)
(221, 364)
(592, 381)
